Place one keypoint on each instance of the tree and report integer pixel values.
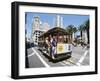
(81, 28)
(71, 31)
(87, 29)
(74, 31)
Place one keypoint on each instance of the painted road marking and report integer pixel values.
(40, 58)
(62, 63)
(68, 63)
(31, 55)
(82, 58)
(71, 62)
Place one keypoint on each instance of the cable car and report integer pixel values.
(63, 46)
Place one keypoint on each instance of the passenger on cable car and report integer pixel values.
(53, 44)
(47, 44)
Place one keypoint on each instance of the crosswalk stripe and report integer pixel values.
(40, 58)
(31, 55)
(82, 58)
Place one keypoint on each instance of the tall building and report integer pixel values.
(36, 23)
(38, 28)
(58, 21)
(45, 26)
(36, 34)
(61, 22)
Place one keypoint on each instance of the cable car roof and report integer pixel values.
(54, 31)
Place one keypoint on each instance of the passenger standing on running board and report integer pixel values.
(47, 44)
(54, 45)
(51, 46)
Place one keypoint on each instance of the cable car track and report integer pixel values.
(76, 61)
(69, 62)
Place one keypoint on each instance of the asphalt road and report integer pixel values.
(80, 57)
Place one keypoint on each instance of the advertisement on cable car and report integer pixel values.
(63, 48)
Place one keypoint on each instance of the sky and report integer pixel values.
(68, 19)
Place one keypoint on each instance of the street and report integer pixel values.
(80, 57)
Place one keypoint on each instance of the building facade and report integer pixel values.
(38, 28)
(58, 21)
(36, 34)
